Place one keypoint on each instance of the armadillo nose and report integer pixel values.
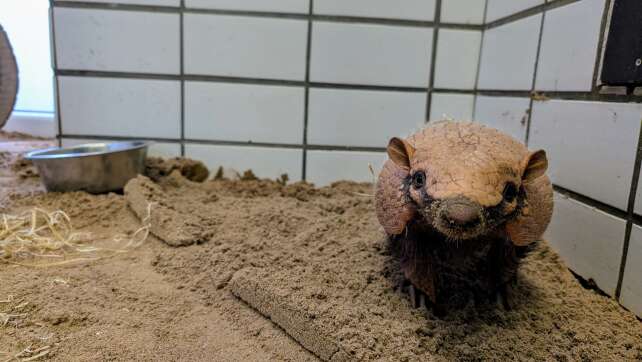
(461, 215)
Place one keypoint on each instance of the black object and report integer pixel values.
(622, 64)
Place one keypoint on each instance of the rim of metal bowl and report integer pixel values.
(86, 150)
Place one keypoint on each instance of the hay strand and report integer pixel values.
(39, 234)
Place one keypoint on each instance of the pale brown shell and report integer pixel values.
(465, 159)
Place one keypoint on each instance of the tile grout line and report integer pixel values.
(264, 14)
(479, 59)
(182, 66)
(597, 67)
(534, 80)
(306, 96)
(564, 95)
(232, 143)
(54, 60)
(591, 202)
(630, 213)
(232, 79)
(433, 58)
(527, 13)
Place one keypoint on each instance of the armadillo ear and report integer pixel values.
(529, 225)
(535, 165)
(400, 152)
(393, 205)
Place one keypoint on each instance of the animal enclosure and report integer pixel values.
(327, 180)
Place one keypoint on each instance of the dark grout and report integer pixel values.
(228, 79)
(314, 147)
(591, 202)
(479, 60)
(630, 210)
(597, 66)
(182, 66)
(116, 6)
(553, 95)
(54, 60)
(433, 58)
(534, 80)
(561, 95)
(527, 12)
(264, 14)
(306, 100)
(368, 87)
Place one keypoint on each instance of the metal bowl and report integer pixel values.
(94, 167)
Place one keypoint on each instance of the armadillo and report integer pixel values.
(462, 204)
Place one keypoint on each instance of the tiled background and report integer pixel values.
(315, 88)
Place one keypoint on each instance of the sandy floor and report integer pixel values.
(314, 261)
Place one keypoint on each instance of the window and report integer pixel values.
(26, 22)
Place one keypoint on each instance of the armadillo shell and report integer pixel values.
(394, 210)
(8, 78)
(530, 224)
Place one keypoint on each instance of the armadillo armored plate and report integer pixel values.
(8, 78)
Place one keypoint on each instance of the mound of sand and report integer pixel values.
(312, 261)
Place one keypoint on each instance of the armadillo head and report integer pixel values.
(465, 180)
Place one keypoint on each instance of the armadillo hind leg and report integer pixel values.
(506, 296)
(415, 296)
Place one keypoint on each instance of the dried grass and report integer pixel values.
(27, 354)
(39, 234)
(374, 182)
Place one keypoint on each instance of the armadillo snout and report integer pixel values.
(461, 214)
(459, 218)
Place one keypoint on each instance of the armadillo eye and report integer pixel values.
(418, 179)
(510, 192)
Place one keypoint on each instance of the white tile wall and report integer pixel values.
(243, 46)
(463, 11)
(112, 40)
(244, 112)
(120, 107)
(498, 9)
(569, 46)
(325, 167)
(174, 3)
(400, 9)
(589, 241)
(285, 6)
(457, 59)
(157, 149)
(363, 118)
(631, 294)
(370, 54)
(265, 162)
(590, 145)
(451, 106)
(508, 55)
(509, 114)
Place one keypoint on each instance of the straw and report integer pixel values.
(39, 234)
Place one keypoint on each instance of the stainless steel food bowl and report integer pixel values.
(94, 167)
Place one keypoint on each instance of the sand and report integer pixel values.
(272, 272)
